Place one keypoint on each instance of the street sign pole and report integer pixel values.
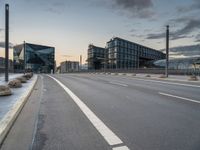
(167, 52)
(6, 42)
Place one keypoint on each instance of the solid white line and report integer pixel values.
(117, 83)
(172, 83)
(183, 98)
(121, 148)
(108, 135)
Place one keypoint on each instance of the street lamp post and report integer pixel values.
(6, 42)
(167, 51)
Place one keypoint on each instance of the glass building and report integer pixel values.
(96, 57)
(178, 63)
(37, 58)
(123, 54)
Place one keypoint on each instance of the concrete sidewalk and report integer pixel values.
(10, 106)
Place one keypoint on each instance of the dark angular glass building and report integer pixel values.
(123, 54)
(96, 57)
(37, 58)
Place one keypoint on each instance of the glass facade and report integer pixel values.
(37, 58)
(123, 54)
(96, 57)
(177, 63)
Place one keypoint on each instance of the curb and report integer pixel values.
(153, 78)
(157, 78)
(9, 119)
(167, 79)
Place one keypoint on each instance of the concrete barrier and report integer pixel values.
(15, 83)
(162, 76)
(22, 79)
(148, 76)
(5, 90)
(193, 78)
(134, 74)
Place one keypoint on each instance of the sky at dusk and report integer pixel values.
(71, 25)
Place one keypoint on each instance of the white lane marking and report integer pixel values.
(108, 135)
(183, 98)
(121, 148)
(172, 83)
(117, 83)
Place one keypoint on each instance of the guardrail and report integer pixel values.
(2, 70)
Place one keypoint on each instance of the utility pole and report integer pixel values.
(6, 42)
(167, 51)
(24, 57)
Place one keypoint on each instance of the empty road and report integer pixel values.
(105, 112)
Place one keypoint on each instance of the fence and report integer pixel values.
(2, 70)
(149, 71)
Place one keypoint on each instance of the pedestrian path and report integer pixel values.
(7, 102)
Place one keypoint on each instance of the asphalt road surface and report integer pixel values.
(104, 112)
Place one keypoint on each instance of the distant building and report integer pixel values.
(2, 65)
(123, 54)
(69, 66)
(96, 57)
(37, 58)
(84, 67)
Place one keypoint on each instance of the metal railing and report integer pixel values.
(146, 71)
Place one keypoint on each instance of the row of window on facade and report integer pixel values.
(122, 51)
(117, 42)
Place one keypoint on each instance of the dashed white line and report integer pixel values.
(121, 148)
(117, 83)
(183, 98)
(172, 83)
(109, 136)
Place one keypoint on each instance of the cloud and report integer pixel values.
(135, 8)
(2, 44)
(191, 26)
(197, 38)
(133, 30)
(193, 7)
(134, 4)
(186, 51)
(137, 35)
(52, 6)
(56, 7)
(156, 35)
